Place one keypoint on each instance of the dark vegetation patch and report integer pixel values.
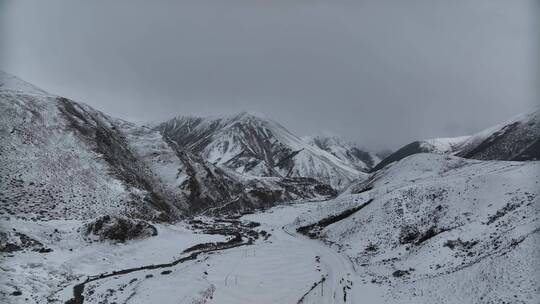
(408, 234)
(313, 230)
(459, 244)
(372, 247)
(324, 189)
(502, 212)
(400, 273)
(215, 245)
(16, 241)
(118, 228)
(412, 235)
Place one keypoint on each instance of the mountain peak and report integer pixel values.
(244, 116)
(251, 115)
(252, 144)
(347, 151)
(10, 82)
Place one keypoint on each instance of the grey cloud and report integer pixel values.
(382, 73)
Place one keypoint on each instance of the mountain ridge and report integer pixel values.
(256, 146)
(515, 139)
(64, 159)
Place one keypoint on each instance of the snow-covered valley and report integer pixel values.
(237, 209)
(468, 242)
(281, 268)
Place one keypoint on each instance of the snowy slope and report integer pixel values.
(515, 139)
(434, 228)
(198, 185)
(63, 159)
(257, 146)
(435, 145)
(14, 84)
(345, 151)
(430, 228)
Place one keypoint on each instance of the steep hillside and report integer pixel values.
(63, 159)
(345, 151)
(14, 84)
(199, 185)
(442, 229)
(436, 145)
(251, 145)
(516, 139)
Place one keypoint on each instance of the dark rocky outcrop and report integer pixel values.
(117, 228)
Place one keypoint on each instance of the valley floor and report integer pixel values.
(285, 267)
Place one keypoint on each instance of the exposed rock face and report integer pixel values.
(345, 151)
(16, 241)
(65, 160)
(118, 228)
(248, 144)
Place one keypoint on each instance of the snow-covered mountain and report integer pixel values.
(14, 84)
(515, 139)
(256, 146)
(63, 159)
(440, 229)
(78, 189)
(435, 145)
(346, 151)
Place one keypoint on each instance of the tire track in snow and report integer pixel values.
(338, 268)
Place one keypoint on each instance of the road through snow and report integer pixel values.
(286, 268)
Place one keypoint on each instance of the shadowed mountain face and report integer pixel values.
(517, 139)
(63, 159)
(410, 149)
(256, 146)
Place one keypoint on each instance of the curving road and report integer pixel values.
(285, 267)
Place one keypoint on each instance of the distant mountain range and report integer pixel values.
(346, 151)
(517, 139)
(424, 225)
(63, 159)
(256, 146)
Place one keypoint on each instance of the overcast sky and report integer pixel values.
(382, 73)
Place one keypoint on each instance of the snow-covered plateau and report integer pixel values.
(237, 209)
